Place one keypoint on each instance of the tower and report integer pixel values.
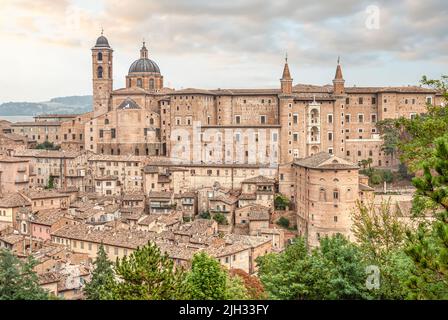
(102, 57)
(338, 82)
(286, 103)
(286, 80)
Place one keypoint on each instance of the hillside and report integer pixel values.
(63, 105)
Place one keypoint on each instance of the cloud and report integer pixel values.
(248, 36)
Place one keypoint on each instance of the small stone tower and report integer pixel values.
(102, 58)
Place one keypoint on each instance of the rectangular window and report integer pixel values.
(373, 100)
(112, 133)
(360, 100)
(330, 136)
(262, 119)
(295, 118)
(237, 119)
(360, 118)
(347, 118)
(101, 134)
(295, 137)
(373, 118)
(330, 118)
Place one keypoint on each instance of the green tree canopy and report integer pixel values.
(148, 274)
(18, 281)
(208, 280)
(102, 278)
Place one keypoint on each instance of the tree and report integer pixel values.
(147, 274)
(207, 279)
(47, 145)
(335, 270)
(50, 184)
(235, 288)
(428, 246)
(281, 202)
(18, 281)
(381, 237)
(253, 285)
(388, 176)
(205, 215)
(220, 218)
(102, 278)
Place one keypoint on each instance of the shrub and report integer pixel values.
(220, 218)
(205, 215)
(283, 222)
(376, 179)
(281, 202)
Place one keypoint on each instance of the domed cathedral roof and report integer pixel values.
(144, 64)
(102, 41)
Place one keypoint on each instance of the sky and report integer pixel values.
(46, 44)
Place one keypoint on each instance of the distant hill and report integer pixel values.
(63, 105)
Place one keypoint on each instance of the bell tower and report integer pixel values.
(102, 66)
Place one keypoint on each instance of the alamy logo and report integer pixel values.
(373, 277)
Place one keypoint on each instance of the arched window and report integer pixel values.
(151, 121)
(137, 152)
(106, 121)
(100, 72)
(139, 82)
(100, 56)
(322, 195)
(151, 84)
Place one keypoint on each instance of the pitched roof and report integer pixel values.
(128, 103)
(324, 160)
(259, 179)
(13, 200)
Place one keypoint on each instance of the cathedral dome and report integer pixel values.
(144, 65)
(102, 42)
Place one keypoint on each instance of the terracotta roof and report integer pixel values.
(11, 238)
(160, 194)
(36, 153)
(44, 194)
(49, 277)
(185, 195)
(13, 200)
(48, 217)
(197, 226)
(121, 238)
(324, 160)
(35, 124)
(259, 180)
(11, 159)
(248, 196)
(364, 187)
(133, 197)
(286, 74)
(225, 199)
